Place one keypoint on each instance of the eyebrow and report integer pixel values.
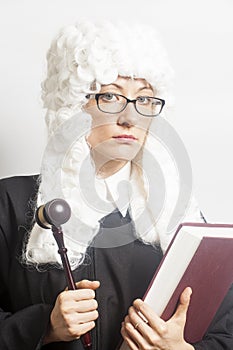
(148, 87)
(113, 84)
(121, 87)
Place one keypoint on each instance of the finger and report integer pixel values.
(128, 340)
(86, 327)
(134, 335)
(146, 312)
(182, 308)
(86, 284)
(78, 294)
(138, 320)
(68, 300)
(142, 326)
(86, 305)
(80, 318)
(78, 330)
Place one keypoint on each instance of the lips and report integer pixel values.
(125, 137)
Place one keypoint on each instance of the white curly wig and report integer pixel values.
(87, 55)
(82, 58)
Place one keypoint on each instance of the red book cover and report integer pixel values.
(209, 274)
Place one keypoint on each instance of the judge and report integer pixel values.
(107, 94)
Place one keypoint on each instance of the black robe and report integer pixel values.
(27, 296)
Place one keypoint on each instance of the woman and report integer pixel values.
(110, 82)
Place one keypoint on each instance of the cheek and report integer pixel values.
(143, 130)
(99, 134)
(142, 134)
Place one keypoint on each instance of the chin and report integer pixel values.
(109, 151)
(124, 152)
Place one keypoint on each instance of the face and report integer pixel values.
(119, 136)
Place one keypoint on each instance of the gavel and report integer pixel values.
(51, 216)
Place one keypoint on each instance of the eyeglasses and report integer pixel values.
(115, 103)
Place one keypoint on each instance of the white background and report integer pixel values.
(198, 36)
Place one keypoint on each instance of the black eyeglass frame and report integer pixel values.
(97, 96)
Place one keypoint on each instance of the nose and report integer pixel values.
(128, 117)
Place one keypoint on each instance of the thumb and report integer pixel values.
(86, 284)
(182, 308)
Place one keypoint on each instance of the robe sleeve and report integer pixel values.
(25, 328)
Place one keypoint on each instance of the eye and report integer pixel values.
(108, 97)
(144, 100)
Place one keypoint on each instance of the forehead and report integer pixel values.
(129, 83)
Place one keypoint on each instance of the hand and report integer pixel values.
(143, 329)
(74, 313)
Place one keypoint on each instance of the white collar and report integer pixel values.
(110, 187)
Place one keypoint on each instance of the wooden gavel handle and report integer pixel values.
(58, 235)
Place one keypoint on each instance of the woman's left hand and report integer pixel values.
(153, 332)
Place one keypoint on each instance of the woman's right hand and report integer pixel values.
(74, 313)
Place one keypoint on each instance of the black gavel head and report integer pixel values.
(54, 213)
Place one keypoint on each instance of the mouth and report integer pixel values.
(125, 137)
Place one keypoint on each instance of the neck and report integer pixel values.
(106, 167)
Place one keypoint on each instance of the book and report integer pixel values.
(199, 256)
